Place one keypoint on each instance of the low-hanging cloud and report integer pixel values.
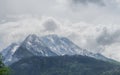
(96, 38)
(107, 38)
(50, 25)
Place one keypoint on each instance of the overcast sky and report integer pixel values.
(91, 24)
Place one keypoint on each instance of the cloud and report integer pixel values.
(50, 25)
(73, 10)
(107, 38)
(87, 2)
(112, 51)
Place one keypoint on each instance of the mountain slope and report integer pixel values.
(33, 46)
(9, 52)
(63, 46)
(63, 65)
(50, 45)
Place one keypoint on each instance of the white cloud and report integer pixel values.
(112, 51)
(50, 25)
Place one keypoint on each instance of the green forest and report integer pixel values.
(3, 69)
(64, 65)
(60, 65)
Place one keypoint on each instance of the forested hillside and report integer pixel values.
(64, 65)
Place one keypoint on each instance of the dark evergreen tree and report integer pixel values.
(3, 69)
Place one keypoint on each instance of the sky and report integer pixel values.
(91, 24)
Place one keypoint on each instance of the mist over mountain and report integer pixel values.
(96, 38)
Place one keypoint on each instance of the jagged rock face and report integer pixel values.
(50, 45)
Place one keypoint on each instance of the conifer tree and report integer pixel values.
(3, 69)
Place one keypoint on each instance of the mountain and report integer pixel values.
(9, 52)
(63, 46)
(31, 46)
(64, 65)
(49, 45)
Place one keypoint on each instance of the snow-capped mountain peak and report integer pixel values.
(49, 45)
